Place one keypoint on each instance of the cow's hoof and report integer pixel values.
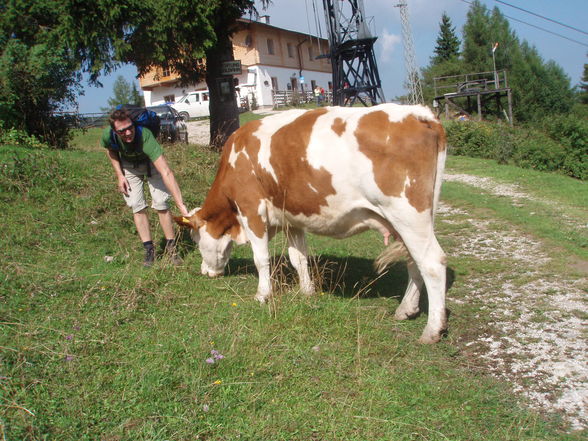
(430, 337)
(405, 314)
(261, 298)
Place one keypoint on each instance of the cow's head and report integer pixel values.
(215, 251)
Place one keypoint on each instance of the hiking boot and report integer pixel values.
(149, 257)
(171, 253)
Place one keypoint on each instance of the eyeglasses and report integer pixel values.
(124, 130)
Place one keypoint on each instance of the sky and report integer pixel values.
(425, 16)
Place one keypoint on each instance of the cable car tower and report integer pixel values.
(355, 73)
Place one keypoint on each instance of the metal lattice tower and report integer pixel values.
(415, 92)
(355, 72)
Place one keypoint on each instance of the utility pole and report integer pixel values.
(355, 72)
(415, 92)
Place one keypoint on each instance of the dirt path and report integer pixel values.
(536, 336)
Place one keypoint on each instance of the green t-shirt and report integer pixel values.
(139, 149)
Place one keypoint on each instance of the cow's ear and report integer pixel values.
(193, 222)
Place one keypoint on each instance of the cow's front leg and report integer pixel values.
(261, 258)
(298, 257)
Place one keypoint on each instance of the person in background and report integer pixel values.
(136, 156)
(317, 95)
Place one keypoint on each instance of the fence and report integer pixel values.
(293, 98)
(83, 120)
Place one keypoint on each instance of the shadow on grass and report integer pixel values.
(343, 276)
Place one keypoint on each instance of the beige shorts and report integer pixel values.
(136, 175)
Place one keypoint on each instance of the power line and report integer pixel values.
(537, 27)
(541, 16)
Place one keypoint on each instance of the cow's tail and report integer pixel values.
(392, 253)
(441, 156)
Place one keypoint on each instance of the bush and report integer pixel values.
(559, 143)
(480, 140)
(13, 136)
(572, 133)
(539, 153)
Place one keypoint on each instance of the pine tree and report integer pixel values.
(584, 86)
(122, 94)
(447, 41)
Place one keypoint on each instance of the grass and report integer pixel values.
(103, 350)
(540, 217)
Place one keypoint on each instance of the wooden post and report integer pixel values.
(509, 105)
(479, 107)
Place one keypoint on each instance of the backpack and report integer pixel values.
(141, 117)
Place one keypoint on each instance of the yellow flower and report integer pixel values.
(218, 382)
(233, 304)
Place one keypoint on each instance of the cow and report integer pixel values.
(332, 171)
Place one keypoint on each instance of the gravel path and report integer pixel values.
(536, 336)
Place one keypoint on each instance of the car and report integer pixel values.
(193, 105)
(173, 126)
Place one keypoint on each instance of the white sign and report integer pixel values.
(231, 67)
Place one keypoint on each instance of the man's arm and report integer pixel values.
(122, 184)
(170, 182)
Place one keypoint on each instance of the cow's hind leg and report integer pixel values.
(297, 252)
(430, 261)
(409, 307)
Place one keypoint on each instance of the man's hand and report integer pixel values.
(123, 186)
(183, 210)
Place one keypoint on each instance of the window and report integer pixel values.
(169, 98)
(290, 50)
(310, 53)
(275, 83)
(270, 46)
(205, 96)
(312, 84)
(166, 71)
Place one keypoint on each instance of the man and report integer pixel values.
(137, 155)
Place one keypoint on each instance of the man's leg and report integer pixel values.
(167, 225)
(136, 201)
(160, 197)
(142, 223)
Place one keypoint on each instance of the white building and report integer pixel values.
(272, 59)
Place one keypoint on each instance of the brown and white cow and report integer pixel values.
(332, 171)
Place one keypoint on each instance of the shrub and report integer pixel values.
(559, 143)
(479, 140)
(539, 153)
(572, 133)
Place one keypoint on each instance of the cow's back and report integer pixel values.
(323, 169)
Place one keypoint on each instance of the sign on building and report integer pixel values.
(231, 67)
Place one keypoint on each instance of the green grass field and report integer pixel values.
(94, 347)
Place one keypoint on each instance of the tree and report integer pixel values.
(176, 34)
(38, 76)
(538, 87)
(583, 95)
(124, 93)
(447, 41)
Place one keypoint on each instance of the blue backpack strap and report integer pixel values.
(113, 141)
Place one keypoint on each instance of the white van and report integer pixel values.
(193, 105)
